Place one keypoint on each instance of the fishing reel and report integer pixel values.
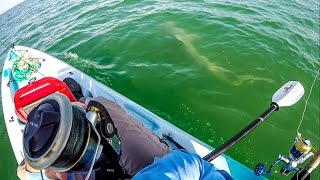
(66, 138)
(299, 152)
(259, 170)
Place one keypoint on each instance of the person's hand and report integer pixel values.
(21, 171)
(24, 166)
(55, 175)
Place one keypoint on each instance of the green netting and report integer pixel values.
(25, 67)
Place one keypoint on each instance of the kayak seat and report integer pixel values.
(27, 97)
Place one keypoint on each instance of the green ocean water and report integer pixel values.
(208, 67)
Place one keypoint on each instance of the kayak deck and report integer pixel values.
(48, 66)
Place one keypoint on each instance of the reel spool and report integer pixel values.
(59, 136)
(301, 147)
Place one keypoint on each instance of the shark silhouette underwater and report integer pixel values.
(218, 71)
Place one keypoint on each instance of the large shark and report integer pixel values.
(219, 71)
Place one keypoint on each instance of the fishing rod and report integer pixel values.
(305, 173)
(299, 152)
(287, 95)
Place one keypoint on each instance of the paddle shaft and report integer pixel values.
(217, 152)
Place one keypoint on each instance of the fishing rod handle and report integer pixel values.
(221, 149)
(305, 173)
(313, 163)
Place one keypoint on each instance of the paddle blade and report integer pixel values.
(288, 94)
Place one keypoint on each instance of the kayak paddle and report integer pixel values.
(287, 95)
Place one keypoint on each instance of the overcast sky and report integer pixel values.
(8, 4)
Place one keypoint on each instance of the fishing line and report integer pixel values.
(41, 175)
(305, 107)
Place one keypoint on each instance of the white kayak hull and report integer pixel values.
(52, 67)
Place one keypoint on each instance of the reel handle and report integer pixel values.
(259, 170)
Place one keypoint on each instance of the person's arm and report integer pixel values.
(180, 164)
(26, 172)
(21, 171)
(139, 146)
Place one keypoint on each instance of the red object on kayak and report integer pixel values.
(27, 97)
